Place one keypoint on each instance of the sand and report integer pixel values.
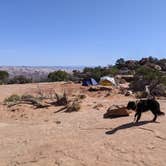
(41, 137)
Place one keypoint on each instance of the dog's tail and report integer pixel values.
(160, 113)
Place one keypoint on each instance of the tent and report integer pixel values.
(107, 81)
(89, 81)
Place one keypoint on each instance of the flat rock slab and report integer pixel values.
(116, 111)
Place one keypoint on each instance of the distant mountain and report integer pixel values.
(37, 72)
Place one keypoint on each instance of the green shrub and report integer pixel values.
(148, 73)
(27, 97)
(58, 76)
(120, 63)
(4, 75)
(147, 76)
(20, 80)
(98, 72)
(12, 99)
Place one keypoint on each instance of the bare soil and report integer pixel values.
(48, 137)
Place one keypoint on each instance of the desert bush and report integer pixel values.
(120, 63)
(58, 76)
(27, 97)
(113, 71)
(35, 101)
(62, 100)
(73, 107)
(19, 80)
(148, 73)
(92, 72)
(147, 76)
(13, 99)
(98, 72)
(41, 93)
(4, 75)
(138, 84)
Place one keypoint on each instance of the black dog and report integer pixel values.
(145, 105)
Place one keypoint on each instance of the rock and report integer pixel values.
(58, 122)
(128, 93)
(99, 88)
(98, 106)
(116, 111)
(159, 90)
(157, 67)
(82, 96)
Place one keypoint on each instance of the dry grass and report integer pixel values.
(12, 100)
(73, 107)
(24, 99)
(62, 99)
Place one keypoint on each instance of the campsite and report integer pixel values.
(33, 136)
(81, 118)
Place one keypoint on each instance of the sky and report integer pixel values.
(80, 32)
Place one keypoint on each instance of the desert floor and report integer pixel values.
(44, 137)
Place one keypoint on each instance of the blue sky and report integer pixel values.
(80, 32)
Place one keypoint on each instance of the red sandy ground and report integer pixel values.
(41, 137)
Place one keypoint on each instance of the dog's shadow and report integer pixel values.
(126, 126)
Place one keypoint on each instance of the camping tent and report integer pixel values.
(89, 81)
(107, 81)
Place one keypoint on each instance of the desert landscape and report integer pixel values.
(50, 136)
(82, 83)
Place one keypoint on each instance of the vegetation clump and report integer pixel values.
(13, 99)
(19, 80)
(4, 75)
(58, 76)
(73, 107)
(25, 99)
(62, 100)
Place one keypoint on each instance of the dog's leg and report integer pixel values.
(136, 114)
(139, 116)
(155, 116)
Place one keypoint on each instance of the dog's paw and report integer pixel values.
(134, 123)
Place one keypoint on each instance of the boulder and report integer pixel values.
(116, 111)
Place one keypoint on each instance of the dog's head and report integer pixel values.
(131, 105)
